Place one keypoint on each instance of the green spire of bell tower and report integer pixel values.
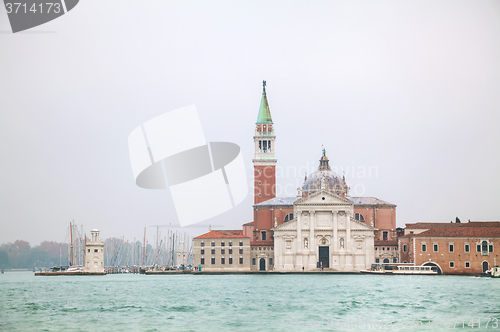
(264, 112)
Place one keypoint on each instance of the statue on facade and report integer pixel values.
(306, 243)
(341, 243)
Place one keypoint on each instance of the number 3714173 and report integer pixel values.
(23, 8)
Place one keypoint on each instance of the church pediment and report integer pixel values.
(287, 226)
(360, 226)
(323, 197)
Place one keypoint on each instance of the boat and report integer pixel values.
(494, 272)
(75, 268)
(401, 269)
(59, 268)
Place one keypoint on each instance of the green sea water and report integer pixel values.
(248, 303)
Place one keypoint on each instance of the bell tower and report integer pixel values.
(264, 160)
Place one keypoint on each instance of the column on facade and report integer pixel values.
(277, 252)
(298, 255)
(348, 232)
(312, 242)
(335, 254)
(348, 240)
(335, 215)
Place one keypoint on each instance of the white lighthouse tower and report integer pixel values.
(94, 253)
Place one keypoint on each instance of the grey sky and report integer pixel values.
(409, 87)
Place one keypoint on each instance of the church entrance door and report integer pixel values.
(324, 253)
(262, 263)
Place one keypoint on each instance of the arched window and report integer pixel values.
(484, 247)
(289, 217)
(386, 260)
(359, 216)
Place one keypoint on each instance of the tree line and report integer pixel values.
(21, 255)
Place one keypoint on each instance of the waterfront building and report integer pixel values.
(222, 250)
(455, 248)
(94, 253)
(363, 224)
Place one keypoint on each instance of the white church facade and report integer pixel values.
(323, 234)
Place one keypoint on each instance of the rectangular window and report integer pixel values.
(435, 247)
(213, 244)
(385, 235)
(270, 261)
(241, 260)
(213, 252)
(478, 248)
(202, 251)
(230, 251)
(202, 261)
(213, 261)
(202, 244)
(451, 247)
(452, 264)
(223, 251)
(89, 250)
(377, 260)
(491, 248)
(405, 248)
(467, 247)
(223, 260)
(230, 260)
(424, 247)
(467, 264)
(253, 261)
(222, 244)
(96, 250)
(241, 243)
(263, 235)
(230, 243)
(241, 251)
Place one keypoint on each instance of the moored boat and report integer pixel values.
(401, 269)
(494, 272)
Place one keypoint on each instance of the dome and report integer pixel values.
(333, 181)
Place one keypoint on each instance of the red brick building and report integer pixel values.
(455, 248)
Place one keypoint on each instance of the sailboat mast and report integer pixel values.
(71, 237)
(144, 247)
(127, 255)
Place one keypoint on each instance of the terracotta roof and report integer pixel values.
(231, 232)
(369, 201)
(221, 234)
(386, 242)
(429, 225)
(460, 232)
(248, 223)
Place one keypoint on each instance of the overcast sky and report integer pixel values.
(408, 88)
